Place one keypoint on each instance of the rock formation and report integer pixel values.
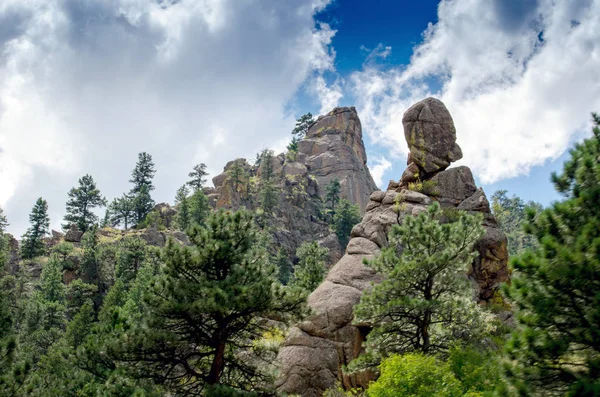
(315, 350)
(332, 149)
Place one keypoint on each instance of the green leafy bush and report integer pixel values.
(415, 375)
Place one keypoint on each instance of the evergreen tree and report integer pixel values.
(511, 216)
(268, 192)
(555, 350)
(82, 201)
(302, 125)
(332, 196)
(206, 309)
(143, 204)
(90, 264)
(141, 177)
(143, 174)
(425, 302)
(33, 239)
(199, 208)
(183, 217)
(130, 258)
(346, 216)
(238, 177)
(3, 243)
(122, 211)
(198, 176)
(310, 270)
(284, 266)
(106, 220)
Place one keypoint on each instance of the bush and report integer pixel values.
(415, 375)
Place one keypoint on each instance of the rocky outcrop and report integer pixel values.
(431, 137)
(332, 149)
(315, 351)
(73, 235)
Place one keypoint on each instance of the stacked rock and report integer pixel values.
(314, 353)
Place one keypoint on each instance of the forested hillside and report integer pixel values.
(294, 275)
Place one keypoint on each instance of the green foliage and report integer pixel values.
(555, 349)
(425, 303)
(415, 375)
(284, 266)
(183, 217)
(268, 193)
(238, 177)
(143, 204)
(141, 177)
(346, 216)
(3, 222)
(310, 270)
(82, 201)
(122, 210)
(77, 293)
(199, 208)
(33, 243)
(206, 306)
(154, 220)
(511, 214)
(302, 125)
(198, 176)
(332, 196)
(90, 263)
(130, 257)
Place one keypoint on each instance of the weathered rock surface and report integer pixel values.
(431, 136)
(73, 235)
(332, 149)
(315, 351)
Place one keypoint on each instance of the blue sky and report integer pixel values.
(86, 85)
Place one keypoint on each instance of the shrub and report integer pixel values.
(415, 375)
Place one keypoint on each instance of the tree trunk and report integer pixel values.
(217, 366)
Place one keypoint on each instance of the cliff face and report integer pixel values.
(332, 149)
(316, 349)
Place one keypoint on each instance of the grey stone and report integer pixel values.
(431, 136)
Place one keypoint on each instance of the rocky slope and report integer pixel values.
(315, 350)
(332, 149)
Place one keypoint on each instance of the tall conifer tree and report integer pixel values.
(33, 239)
(82, 201)
(556, 347)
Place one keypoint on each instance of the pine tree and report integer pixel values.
(198, 176)
(302, 125)
(143, 173)
(284, 266)
(90, 264)
(3, 243)
(346, 216)
(143, 204)
(33, 243)
(238, 177)
(199, 208)
(310, 270)
(332, 196)
(425, 302)
(206, 308)
(130, 258)
(141, 177)
(511, 216)
(268, 192)
(106, 220)
(122, 211)
(555, 350)
(183, 218)
(82, 201)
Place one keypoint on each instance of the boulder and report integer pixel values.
(431, 136)
(73, 235)
(313, 355)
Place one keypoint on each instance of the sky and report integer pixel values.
(85, 85)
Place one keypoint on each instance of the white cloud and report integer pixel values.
(378, 166)
(520, 82)
(329, 96)
(85, 86)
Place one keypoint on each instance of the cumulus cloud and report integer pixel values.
(85, 86)
(520, 80)
(378, 166)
